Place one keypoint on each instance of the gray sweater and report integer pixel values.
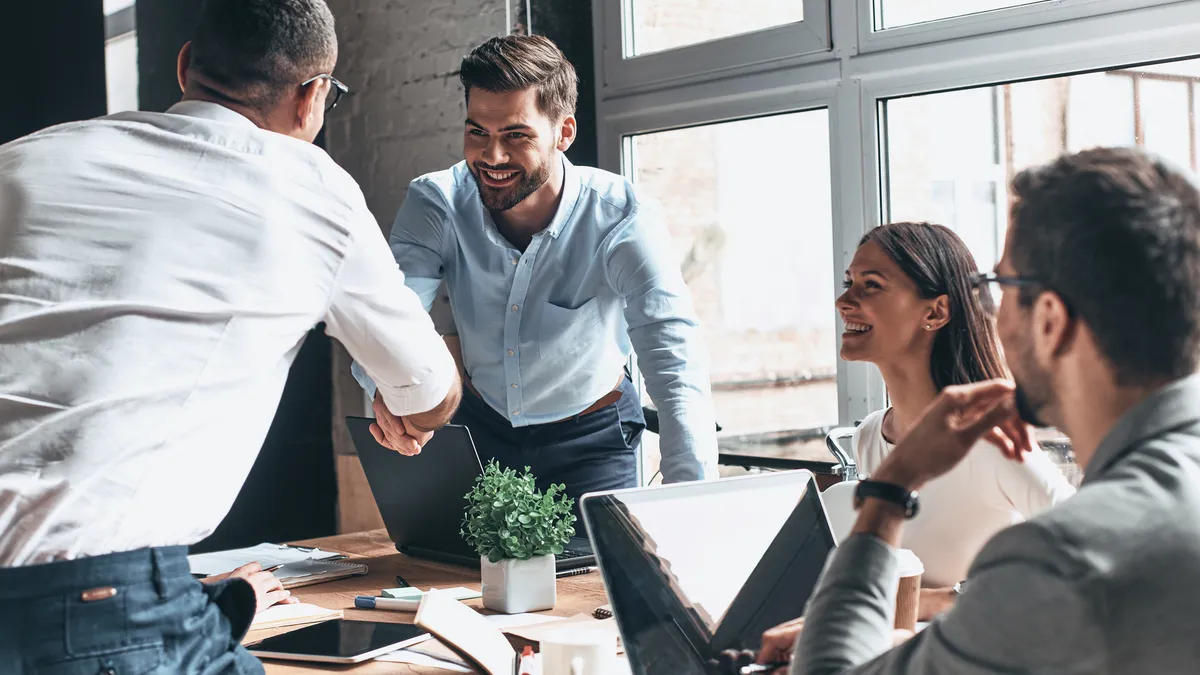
(1107, 582)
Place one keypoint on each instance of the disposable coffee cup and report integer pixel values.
(908, 595)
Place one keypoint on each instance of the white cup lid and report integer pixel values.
(910, 564)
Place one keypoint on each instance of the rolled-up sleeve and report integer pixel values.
(1020, 614)
(386, 329)
(667, 338)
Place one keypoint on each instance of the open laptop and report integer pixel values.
(422, 498)
(698, 568)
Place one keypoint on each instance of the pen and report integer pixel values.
(756, 668)
(372, 602)
(575, 572)
(401, 583)
(273, 567)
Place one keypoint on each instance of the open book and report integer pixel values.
(292, 615)
(466, 632)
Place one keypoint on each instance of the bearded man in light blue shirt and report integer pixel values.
(555, 274)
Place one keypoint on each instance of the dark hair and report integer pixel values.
(256, 50)
(965, 349)
(516, 62)
(1116, 233)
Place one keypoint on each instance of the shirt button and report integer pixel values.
(516, 412)
(511, 353)
(516, 260)
(513, 386)
(515, 308)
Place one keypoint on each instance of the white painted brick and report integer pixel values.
(401, 57)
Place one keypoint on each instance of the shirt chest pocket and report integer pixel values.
(564, 331)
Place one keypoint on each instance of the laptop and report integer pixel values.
(694, 569)
(422, 498)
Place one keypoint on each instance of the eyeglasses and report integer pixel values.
(336, 91)
(989, 288)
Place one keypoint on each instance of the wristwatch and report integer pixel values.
(888, 492)
(958, 588)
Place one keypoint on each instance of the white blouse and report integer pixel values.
(961, 510)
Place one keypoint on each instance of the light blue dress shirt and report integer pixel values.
(545, 333)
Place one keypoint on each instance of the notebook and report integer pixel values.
(280, 616)
(301, 566)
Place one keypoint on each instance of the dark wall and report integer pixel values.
(54, 56)
(291, 493)
(569, 24)
(163, 28)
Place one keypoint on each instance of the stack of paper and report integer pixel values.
(267, 555)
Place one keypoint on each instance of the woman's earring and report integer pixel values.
(928, 327)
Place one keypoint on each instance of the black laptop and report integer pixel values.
(422, 498)
(698, 568)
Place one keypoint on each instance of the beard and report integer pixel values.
(503, 199)
(1026, 409)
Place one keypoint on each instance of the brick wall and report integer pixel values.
(401, 59)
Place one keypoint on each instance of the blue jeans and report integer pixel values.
(588, 453)
(63, 618)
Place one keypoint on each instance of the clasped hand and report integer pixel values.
(397, 433)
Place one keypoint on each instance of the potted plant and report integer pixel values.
(517, 531)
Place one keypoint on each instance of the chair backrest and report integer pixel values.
(839, 506)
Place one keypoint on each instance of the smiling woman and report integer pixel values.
(909, 308)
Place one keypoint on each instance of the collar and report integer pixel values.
(570, 197)
(210, 111)
(1175, 405)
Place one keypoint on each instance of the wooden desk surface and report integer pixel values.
(578, 594)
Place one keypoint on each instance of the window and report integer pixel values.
(120, 55)
(659, 25)
(893, 13)
(748, 206)
(950, 156)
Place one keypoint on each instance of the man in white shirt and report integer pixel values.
(158, 273)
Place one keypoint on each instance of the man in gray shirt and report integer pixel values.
(1098, 299)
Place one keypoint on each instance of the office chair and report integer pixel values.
(846, 466)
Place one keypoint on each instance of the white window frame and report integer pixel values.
(762, 50)
(866, 67)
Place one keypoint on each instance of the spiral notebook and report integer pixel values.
(299, 566)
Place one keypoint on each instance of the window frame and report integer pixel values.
(767, 49)
(863, 69)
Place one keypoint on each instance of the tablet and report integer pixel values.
(339, 641)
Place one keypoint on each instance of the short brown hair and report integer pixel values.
(1116, 233)
(517, 62)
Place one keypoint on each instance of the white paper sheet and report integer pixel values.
(418, 659)
(267, 555)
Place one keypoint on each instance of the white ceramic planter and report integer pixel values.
(516, 586)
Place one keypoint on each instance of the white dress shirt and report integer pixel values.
(961, 510)
(158, 273)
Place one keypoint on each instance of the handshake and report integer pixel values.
(405, 435)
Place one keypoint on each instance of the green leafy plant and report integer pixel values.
(508, 517)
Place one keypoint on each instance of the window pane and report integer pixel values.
(748, 206)
(950, 156)
(658, 25)
(893, 13)
(113, 6)
(120, 66)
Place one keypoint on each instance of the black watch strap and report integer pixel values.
(889, 492)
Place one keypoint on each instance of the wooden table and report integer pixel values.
(578, 594)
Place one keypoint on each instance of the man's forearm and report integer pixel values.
(438, 417)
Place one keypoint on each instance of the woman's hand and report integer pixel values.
(778, 643)
(268, 590)
(934, 601)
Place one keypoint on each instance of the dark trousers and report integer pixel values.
(587, 453)
(63, 618)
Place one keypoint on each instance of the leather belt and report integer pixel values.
(601, 403)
